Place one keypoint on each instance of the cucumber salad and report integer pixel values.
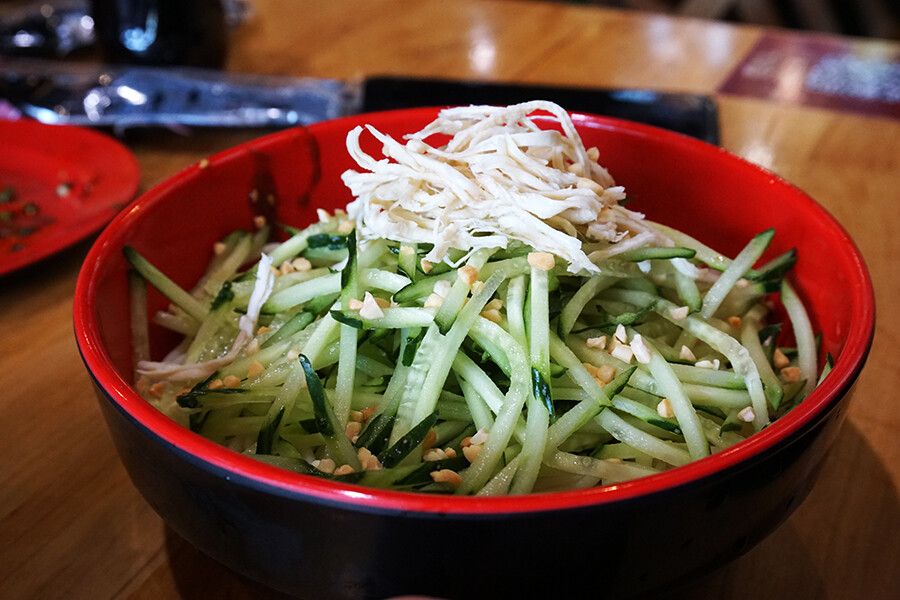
(487, 317)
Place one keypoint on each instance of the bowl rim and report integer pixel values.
(217, 459)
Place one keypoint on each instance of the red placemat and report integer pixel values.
(820, 71)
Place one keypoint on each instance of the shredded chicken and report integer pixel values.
(500, 177)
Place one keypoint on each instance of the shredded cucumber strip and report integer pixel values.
(443, 360)
(803, 334)
(500, 483)
(539, 338)
(681, 404)
(140, 333)
(396, 368)
(190, 305)
(478, 408)
(579, 415)
(608, 471)
(515, 309)
(481, 469)
(721, 342)
(533, 449)
(750, 326)
(298, 242)
(579, 300)
(735, 271)
(629, 434)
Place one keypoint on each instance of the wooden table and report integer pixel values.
(72, 525)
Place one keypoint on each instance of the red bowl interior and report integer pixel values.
(673, 179)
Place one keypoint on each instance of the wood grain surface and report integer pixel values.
(72, 525)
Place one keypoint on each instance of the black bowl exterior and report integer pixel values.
(321, 550)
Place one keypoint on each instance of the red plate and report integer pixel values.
(58, 185)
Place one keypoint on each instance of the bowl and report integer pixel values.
(316, 538)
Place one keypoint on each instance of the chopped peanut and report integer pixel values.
(356, 415)
(204, 163)
(623, 353)
(446, 476)
(664, 409)
(301, 264)
(747, 414)
(326, 465)
(686, 354)
(370, 308)
(219, 248)
(597, 342)
(231, 382)
(680, 313)
(353, 429)
(593, 153)
(621, 334)
(364, 454)
(157, 389)
(367, 412)
(263, 330)
(790, 374)
(469, 274)
(434, 454)
(344, 470)
(293, 354)
(779, 359)
(255, 369)
(591, 369)
(492, 315)
(252, 347)
(605, 374)
(426, 266)
(430, 439)
(434, 300)
(346, 226)
(354, 304)
(640, 349)
(216, 384)
(471, 452)
(477, 286)
(541, 260)
(708, 364)
(734, 321)
(480, 437)
(450, 452)
(286, 267)
(259, 221)
(495, 304)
